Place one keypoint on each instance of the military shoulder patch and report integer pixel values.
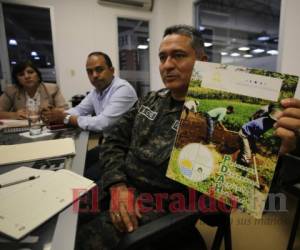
(175, 125)
(146, 111)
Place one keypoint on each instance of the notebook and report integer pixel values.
(28, 204)
(10, 123)
(36, 150)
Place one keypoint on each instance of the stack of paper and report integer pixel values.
(36, 150)
(28, 203)
(10, 123)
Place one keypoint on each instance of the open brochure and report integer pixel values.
(225, 146)
(29, 197)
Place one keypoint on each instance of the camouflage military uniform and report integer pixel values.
(136, 152)
(139, 146)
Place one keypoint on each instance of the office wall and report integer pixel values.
(83, 26)
(289, 57)
(80, 27)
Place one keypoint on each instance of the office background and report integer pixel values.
(79, 27)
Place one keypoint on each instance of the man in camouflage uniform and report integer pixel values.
(135, 155)
(137, 150)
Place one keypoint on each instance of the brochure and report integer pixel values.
(225, 146)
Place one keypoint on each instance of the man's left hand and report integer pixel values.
(288, 125)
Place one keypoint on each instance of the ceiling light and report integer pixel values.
(248, 55)
(33, 53)
(258, 51)
(201, 28)
(272, 52)
(48, 63)
(142, 46)
(13, 62)
(263, 38)
(207, 44)
(223, 53)
(235, 54)
(36, 58)
(148, 39)
(12, 42)
(244, 48)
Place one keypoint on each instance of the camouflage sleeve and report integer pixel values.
(114, 150)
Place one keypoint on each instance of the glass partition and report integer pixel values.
(134, 53)
(240, 32)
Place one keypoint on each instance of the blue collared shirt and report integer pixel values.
(108, 105)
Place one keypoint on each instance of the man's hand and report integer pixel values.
(124, 212)
(53, 116)
(288, 125)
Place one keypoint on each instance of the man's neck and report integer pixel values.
(178, 96)
(106, 87)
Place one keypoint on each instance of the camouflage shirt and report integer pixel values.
(138, 147)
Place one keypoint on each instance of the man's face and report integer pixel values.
(177, 58)
(99, 73)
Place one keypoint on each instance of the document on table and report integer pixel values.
(32, 151)
(10, 123)
(36, 196)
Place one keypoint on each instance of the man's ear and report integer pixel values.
(112, 69)
(203, 57)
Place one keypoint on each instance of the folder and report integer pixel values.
(11, 123)
(28, 204)
(38, 150)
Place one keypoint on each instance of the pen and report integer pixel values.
(19, 181)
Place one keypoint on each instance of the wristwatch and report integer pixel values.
(67, 119)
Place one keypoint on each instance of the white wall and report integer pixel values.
(84, 26)
(289, 42)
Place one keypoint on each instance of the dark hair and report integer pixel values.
(20, 67)
(106, 57)
(230, 108)
(187, 30)
(271, 107)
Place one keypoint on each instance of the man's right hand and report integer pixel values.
(124, 212)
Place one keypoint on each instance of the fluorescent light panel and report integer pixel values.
(12, 42)
(235, 54)
(272, 52)
(34, 53)
(263, 38)
(142, 46)
(258, 51)
(244, 48)
(207, 44)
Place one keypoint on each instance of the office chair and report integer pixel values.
(295, 190)
(163, 227)
(291, 184)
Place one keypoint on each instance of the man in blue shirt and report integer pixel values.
(110, 98)
(251, 132)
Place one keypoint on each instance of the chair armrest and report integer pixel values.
(161, 226)
(290, 170)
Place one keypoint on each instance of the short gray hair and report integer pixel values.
(187, 30)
